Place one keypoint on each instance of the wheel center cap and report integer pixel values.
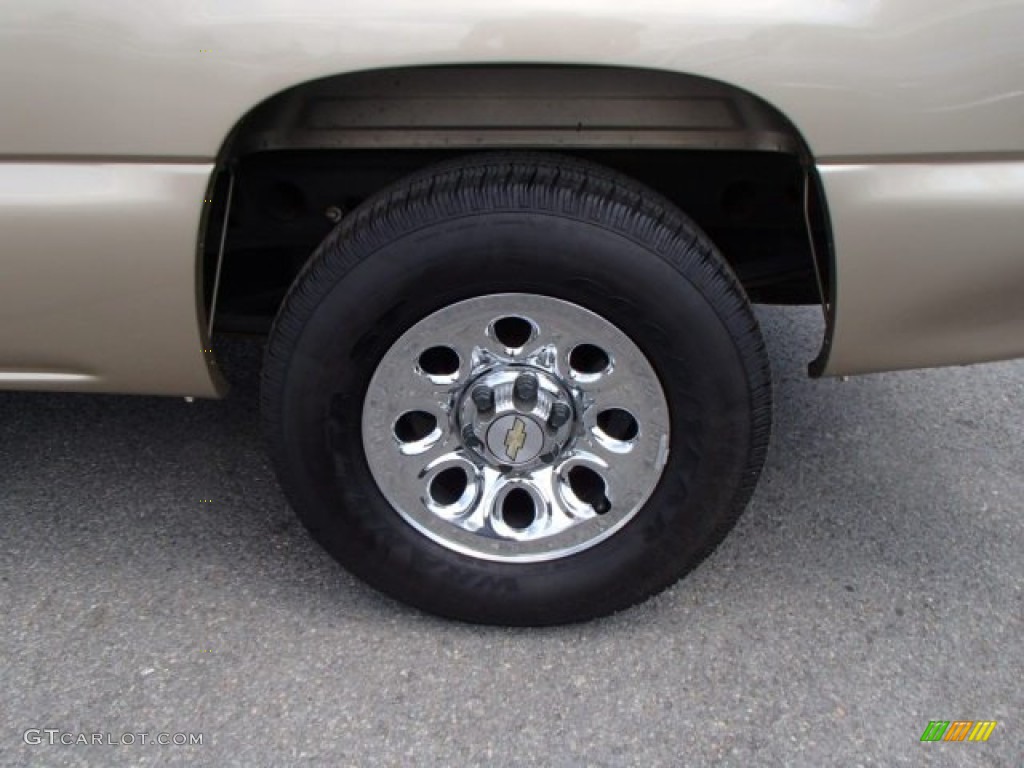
(515, 439)
(516, 416)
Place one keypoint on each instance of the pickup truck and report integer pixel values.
(504, 254)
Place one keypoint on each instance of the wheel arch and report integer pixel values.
(501, 106)
(572, 108)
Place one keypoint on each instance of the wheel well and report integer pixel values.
(308, 155)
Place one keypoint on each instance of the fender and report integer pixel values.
(115, 113)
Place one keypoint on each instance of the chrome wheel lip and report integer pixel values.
(563, 524)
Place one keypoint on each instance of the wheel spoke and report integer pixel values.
(619, 471)
(611, 388)
(565, 513)
(478, 518)
(438, 457)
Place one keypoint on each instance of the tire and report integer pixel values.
(517, 237)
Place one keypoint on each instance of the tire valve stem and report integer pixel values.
(483, 399)
(525, 388)
(559, 416)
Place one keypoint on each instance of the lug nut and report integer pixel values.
(469, 437)
(559, 416)
(526, 387)
(483, 399)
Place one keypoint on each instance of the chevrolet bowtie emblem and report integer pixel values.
(515, 439)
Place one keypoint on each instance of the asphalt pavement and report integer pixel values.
(153, 581)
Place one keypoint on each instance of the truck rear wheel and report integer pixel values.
(517, 390)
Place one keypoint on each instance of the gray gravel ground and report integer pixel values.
(874, 584)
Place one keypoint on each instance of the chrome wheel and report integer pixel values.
(515, 427)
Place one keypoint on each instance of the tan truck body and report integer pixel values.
(113, 116)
